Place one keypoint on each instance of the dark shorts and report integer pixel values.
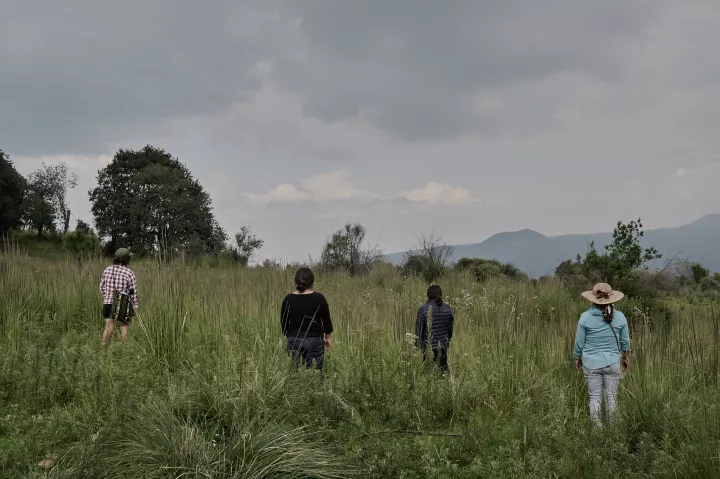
(107, 314)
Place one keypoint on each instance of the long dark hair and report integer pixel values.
(434, 292)
(304, 279)
(608, 312)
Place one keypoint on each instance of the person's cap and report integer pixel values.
(123, 254)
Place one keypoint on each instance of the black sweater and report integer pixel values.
(305, 316)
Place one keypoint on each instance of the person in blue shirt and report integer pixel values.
(602, 348)
(434, 327)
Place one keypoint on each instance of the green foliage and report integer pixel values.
(45, 201)
(430, 259)
(81, 242)
(623, 255)
(344, 251)
(698, 272)
(204, 385)
(231, 447)
(12, 195)
(711, 283)
(148, 201)
(486, 269)
(81, 225)
(246, 245)
(616, 265)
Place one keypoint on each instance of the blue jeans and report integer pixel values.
(308, 350)
(597, 378)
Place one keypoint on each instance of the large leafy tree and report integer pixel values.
(147, 200)
(12, 194)
(45, 202)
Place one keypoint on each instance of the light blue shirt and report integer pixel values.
(595, 341)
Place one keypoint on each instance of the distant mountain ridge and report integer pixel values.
(537, 254)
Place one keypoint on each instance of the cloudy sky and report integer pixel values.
(466, 118)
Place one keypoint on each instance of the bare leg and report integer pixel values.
(123, 332)
(107, 333)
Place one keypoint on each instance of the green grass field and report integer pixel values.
(204, 388)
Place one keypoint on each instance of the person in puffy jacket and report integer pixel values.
(434, 327)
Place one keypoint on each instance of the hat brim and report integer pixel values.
(615, 296)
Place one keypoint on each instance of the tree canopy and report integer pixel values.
(148, 201)
(45, 203)
(12, 194)
(344, 251)
(623, 256)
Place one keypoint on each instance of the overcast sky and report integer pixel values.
(463, 117)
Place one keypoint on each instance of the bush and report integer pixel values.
(486, 269)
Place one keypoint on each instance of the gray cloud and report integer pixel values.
(77, 75)
(416, 68)
(523, 108)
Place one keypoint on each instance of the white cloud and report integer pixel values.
(281, 194)
(333, 186)
(436, 193)
(323, 188)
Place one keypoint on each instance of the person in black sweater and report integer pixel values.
(436, 318)
(305, 321)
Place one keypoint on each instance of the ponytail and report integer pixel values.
(608, 312)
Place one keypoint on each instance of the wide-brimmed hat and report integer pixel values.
(602, 293)
(123, 254)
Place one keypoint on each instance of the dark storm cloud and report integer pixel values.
(416, 68)
(78, 74)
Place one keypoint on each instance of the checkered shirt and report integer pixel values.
(118, 278)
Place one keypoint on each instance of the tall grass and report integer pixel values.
(204, 387)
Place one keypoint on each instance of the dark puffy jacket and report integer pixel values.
(441, 324)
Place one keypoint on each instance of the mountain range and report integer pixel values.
(537, 254)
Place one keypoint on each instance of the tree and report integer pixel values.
(485, 269)
(344, 251)
(45, 201)
(149, 201)
(12, 194)
(430, 259)
(81, 225)
(81, 242)
(698, 272)
(623, 256)
(246, 246)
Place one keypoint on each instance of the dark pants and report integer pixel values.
(308, 350)
(440, 356)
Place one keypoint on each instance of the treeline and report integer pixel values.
(144, 200)
(148, 201)
(623, 263)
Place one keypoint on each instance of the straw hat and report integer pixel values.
(602, 293)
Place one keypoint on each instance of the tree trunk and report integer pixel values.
(67, 221)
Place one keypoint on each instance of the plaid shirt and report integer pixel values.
(118, 278)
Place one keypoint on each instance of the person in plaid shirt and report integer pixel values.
(118, 277)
